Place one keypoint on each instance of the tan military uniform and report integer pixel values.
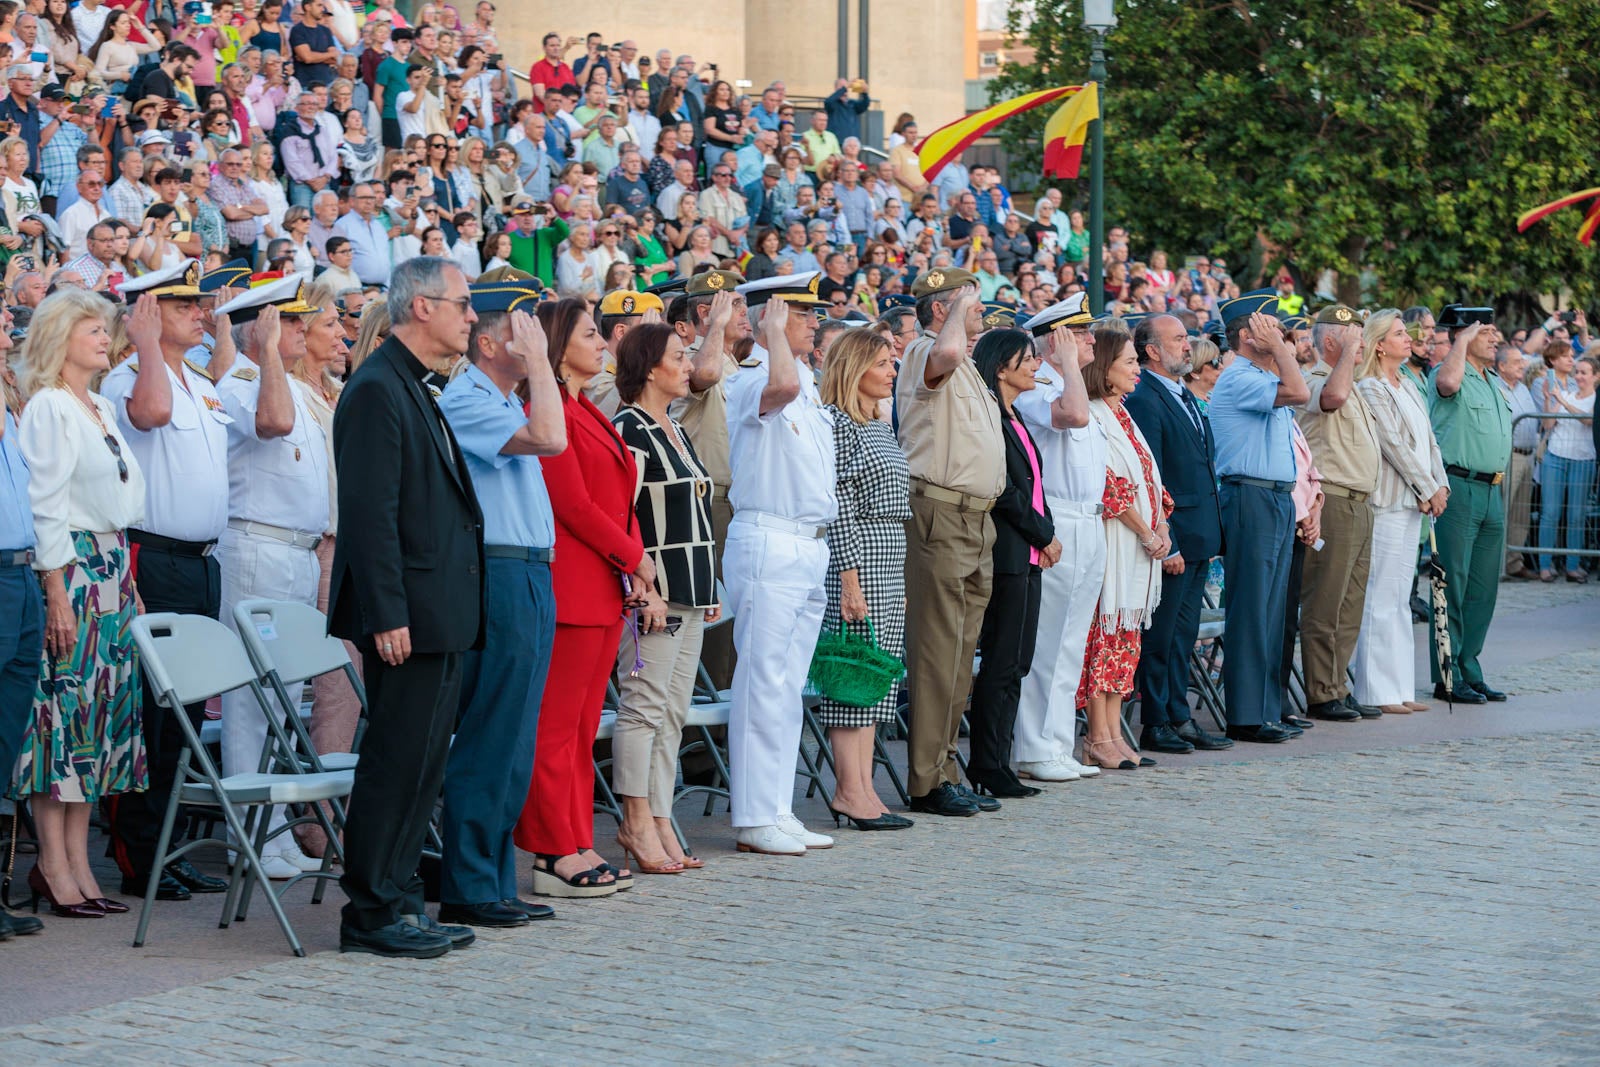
(953, 445)
(1344, 442)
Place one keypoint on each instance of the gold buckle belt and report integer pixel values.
(1339, 490)
(950, 496)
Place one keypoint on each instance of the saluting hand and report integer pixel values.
(528, 338)
(144, 326)
(271, 327)
(721, 311)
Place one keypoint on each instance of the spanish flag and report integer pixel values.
(1066, 131)
(1591, 220)
(949, 141)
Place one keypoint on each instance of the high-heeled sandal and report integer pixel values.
(672, 866)
(78, 909)
(1119, 764)
(547, 883)
(691, 862)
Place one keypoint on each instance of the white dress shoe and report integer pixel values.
(289, 849)
(279, 869)
(1053, 770)
(795, 829)
(1082, 770)
(768, 841)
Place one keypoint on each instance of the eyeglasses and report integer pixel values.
(610, 233)
(720, 174)
(462, 303)
(435, 144)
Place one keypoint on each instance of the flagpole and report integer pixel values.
(1099, 18)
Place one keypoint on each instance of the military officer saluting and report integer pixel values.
(277, 502)
(175, 424)
(950, 432)
(781, 454)
(1472, 420)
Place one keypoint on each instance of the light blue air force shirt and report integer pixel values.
(16, 513)
(516, 507)
(1254, 438)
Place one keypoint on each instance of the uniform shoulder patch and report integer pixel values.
(751, 362)
(198, 369)
(245, 374)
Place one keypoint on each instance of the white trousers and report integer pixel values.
(258, 567)
(1047, 724)
(1385, 663)
(775, 589)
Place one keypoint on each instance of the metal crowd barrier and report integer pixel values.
(1538, 484)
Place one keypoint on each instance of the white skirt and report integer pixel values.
(1385, 663)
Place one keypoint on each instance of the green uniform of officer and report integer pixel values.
(1472, 422)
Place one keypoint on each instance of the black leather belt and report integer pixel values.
(1477, 476)
(171, 544)
(1259, 483)
(530, 555)
(1523, 451)
(17, 557)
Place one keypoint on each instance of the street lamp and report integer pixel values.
(1099, 18)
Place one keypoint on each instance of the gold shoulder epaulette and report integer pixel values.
(245, 374)
(751, 362)
(198, 369)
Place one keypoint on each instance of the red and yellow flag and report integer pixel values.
(1591, 220)
(949, 141)
(1066, 131)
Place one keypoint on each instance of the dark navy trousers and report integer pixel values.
(1258, 530)
(21, 649)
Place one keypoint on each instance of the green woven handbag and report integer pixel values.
(850, 669)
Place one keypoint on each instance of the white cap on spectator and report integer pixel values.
(154, 137)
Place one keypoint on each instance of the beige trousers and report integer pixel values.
(654, 703)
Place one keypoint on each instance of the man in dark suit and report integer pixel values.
(1181, 444)
(407, 589)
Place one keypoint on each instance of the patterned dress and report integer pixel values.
(1111, 658)
(869, 535)
(85, 740)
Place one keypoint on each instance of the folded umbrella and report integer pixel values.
(1438, 581)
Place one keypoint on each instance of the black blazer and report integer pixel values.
(1017, 527)
(410, 544)
(1184, 459)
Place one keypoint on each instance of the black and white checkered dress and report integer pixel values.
(870, 536)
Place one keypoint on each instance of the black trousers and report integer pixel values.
(411, 713)
(1006, 640)
(187, 585)
(1162, 678)
(1291, 614)
(391, 133)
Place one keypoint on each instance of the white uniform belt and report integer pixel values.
(778, 522)
(1063, 506)
(275, 533)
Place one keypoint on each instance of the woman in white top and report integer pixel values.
(578, 272)
(1566, 475)
(269, 187)
(160, 251)
(18, 195)
(297, 230)
(84, 741)
(1411, 484)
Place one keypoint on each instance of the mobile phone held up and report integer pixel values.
(110, 109)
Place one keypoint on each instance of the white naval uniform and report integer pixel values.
(277, 512)
(185, 462)
(1073, 465)
(783, 496)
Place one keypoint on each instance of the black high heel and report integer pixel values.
(82, 909)
(1003, 785)
(887, 821)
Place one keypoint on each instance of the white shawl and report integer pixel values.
(1132, 585)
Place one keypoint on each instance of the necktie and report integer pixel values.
(1193, 410)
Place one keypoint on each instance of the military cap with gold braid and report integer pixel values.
(997, 316)
(1297, 322)
(628, 302)
(236, 273)
(709, 282)
(1262, 300)
(504, 297)
(180, 281)
(1073, 311)
(287, 294)
(940, 280)
(796, 290)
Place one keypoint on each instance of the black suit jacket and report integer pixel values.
(1184, 459)
(410, 544)
(1017, 527)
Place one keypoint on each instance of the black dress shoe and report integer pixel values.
(399, 939)
(460, 936)
(17, 924)
(1298, 722)
(532, 911)
(1461, 694)
(1268, 733)
(1190, 731)
(493, 913)
(195, 881)
(1164, 738)
(169, 888)
(984, 803)
(945, 800)
(1333, 711)
(1366, 711)
(1001, 783)
(1288, 727)
(1492, 695)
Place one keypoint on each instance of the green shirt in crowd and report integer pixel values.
(536, 252)
(1473, 424)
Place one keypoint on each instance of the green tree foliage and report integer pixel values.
(1397, 138)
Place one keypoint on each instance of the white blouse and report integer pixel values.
(74, 482)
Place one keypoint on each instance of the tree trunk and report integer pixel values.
(1350, 281)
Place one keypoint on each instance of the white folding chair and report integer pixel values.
(189, 659)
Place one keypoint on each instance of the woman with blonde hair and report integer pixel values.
(374, 331)
(1411, 484)
(867, 556)
(85, 741)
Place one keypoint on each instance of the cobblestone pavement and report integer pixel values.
(1426, 905)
